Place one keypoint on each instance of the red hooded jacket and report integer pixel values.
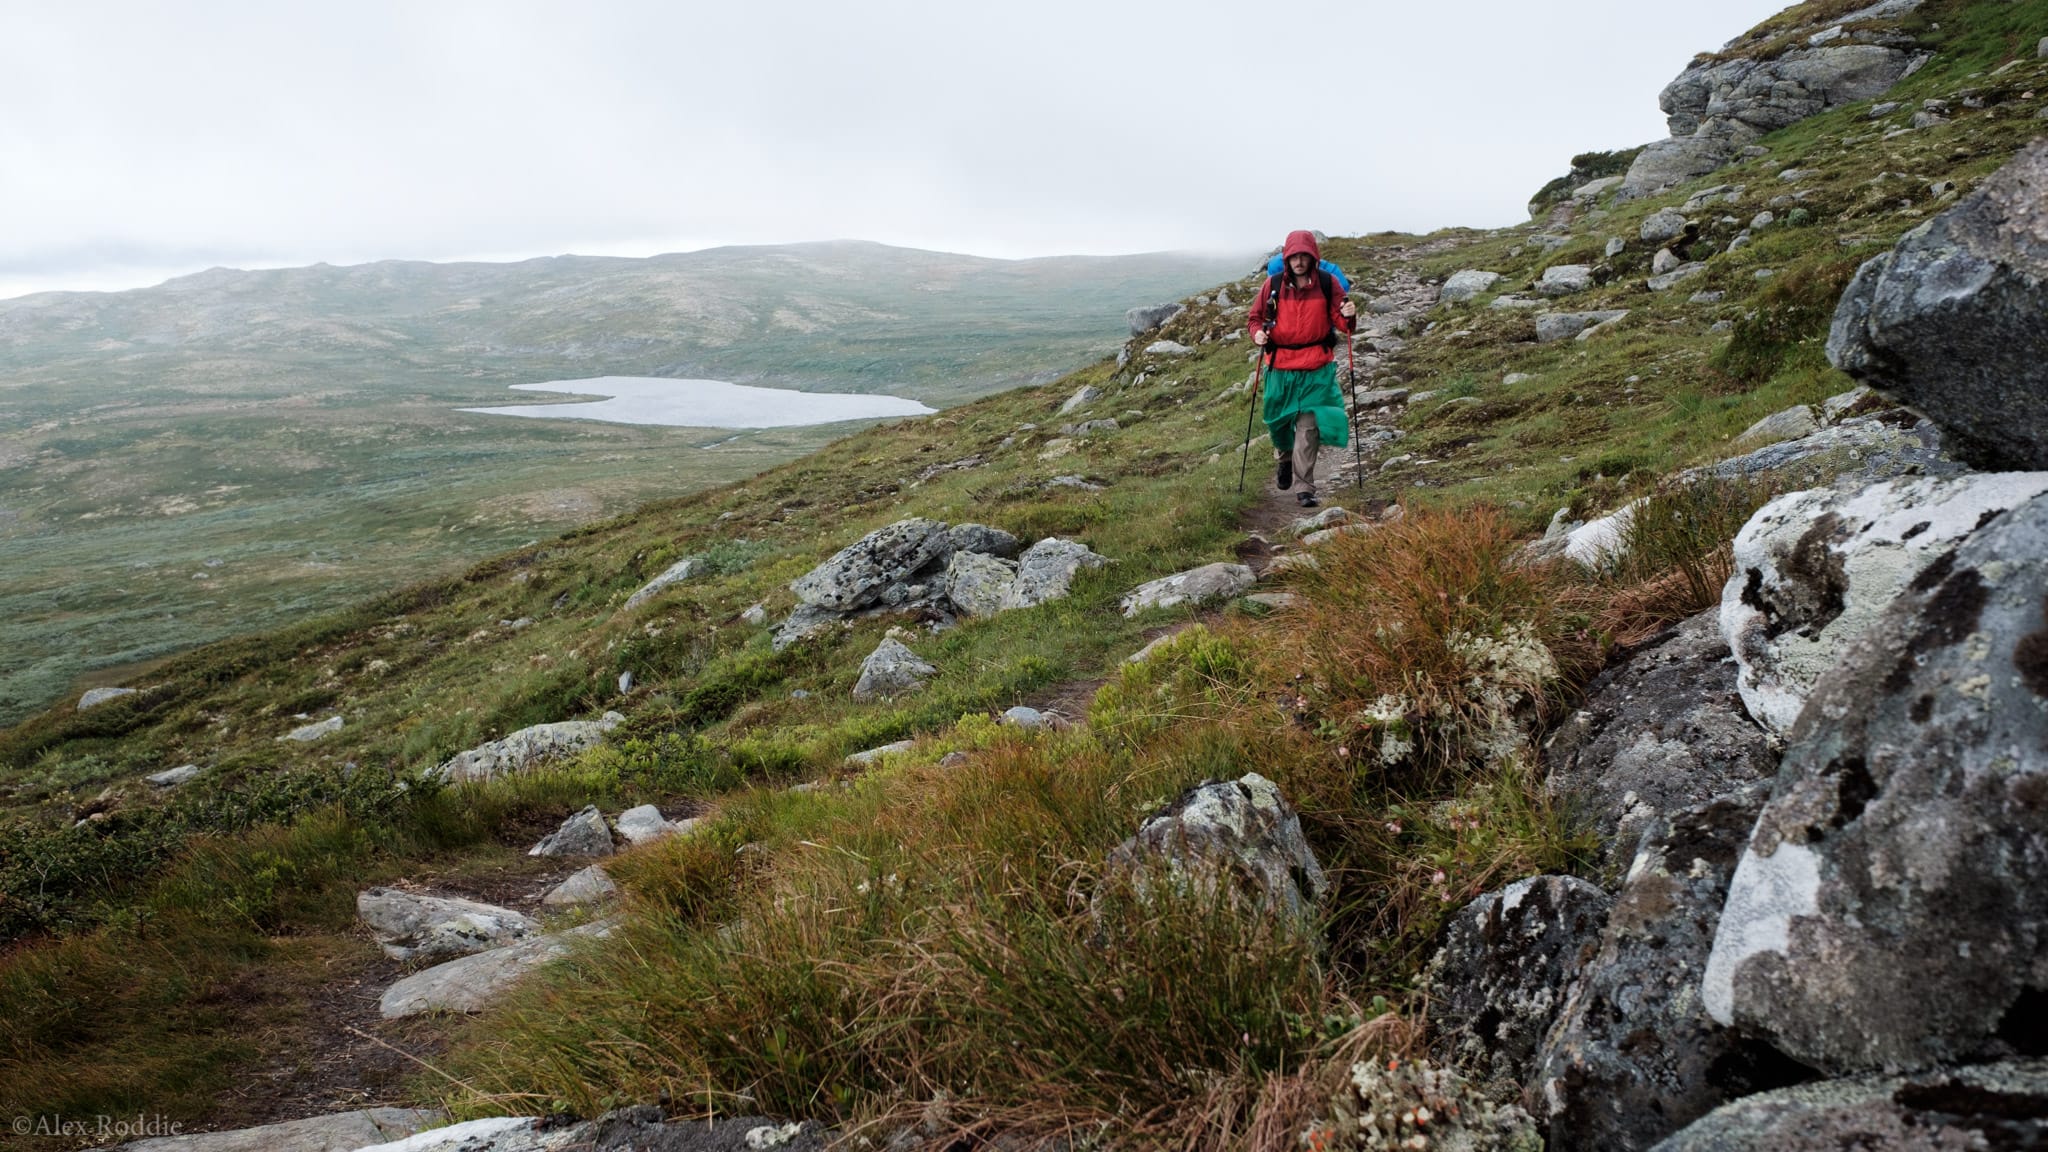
(1305, 317)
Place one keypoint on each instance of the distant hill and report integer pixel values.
(230, 450)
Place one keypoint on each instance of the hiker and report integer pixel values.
(1298, 319)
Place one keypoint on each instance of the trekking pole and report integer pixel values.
(1351, 398)
(1258, 386)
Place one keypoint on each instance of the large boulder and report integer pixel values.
(859, 574)
(1660, 732)
(1239, 834)
(335, 1132)
(1814, 569)
(1888, 911)
(1954, 321)
(1046, 572)
(1988, 1106)
(1720, 105)
(891, 670)
(1632, 1056)
(526, 749)
(474, 983)
(411, 926)
(977, 583)
(1500, 977)
(1463, 286)
(1203, 585)
(1145, 319)
(584, 834)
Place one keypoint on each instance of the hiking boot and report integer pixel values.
(1306, 499)
(1284, 478)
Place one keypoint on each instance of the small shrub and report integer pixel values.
(1792, 312)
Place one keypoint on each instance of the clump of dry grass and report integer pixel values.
(1677, 553)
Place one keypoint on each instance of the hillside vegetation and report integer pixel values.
(930, 939)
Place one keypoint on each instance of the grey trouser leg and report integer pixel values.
(1308, 443)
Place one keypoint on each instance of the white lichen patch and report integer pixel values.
(1765, 895)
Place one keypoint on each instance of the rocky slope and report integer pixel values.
(1708, 819)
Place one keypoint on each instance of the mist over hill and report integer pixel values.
(234, 448)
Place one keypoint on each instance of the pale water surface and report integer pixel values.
(705, 404)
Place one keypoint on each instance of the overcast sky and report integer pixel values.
(145, 140)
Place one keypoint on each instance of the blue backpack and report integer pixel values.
(1277, 263)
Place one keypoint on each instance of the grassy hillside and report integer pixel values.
(235, 450)
(915, 941)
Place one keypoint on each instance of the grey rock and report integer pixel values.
(977, 583)
(1514, 378)
(336, 1132)
(1565, 279)
(526, 749)
(2041, 50)
(1381, 397)
(1632, 1057)
(1663, 262)
(1555, 326)
(592, 885)
(411, 926)
(1841, 404)
(584, 834)
(1717, 107)
(625, 682)
(645, 824)
(1855, 453)
(1762, 220)
(1668, 224)
(1814, 569)
(756, 615)
(1707, 297)
(861, 573)
(675, 574)
(891, 670)
(1240, 835)
(94, 697)
(1503, 303)
(982, 539)
(1662, 731)
(1887, 913)
(172, 777)
(807, 621)
(1928, 119)
(1594, 189)
(474, 983)
(1029, 719)
(1676, 276)
(1498, 981)
(1463, 286)
(1046, 570)
(1790, 424)
(1277, 601)
(307, 733)
(1951, 320)
(1615, 247)
(874, 755)
(1087, 394)
(1881, 110)
(1167, 348)
(1202, 585)
(1143, 320)
(637, 1129)
(1988, 1106)
(1328, 518)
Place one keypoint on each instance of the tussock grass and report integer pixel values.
(1677, 553)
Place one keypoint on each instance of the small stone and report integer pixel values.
(955, 760)
(1666, 225)
(1565, 280)
(1790, 424)
(676, 574)
(1664, 261)
(592, 885)
(1762, 220)
(412, 926)
(645, 824)
(1167, 348)
(1276, 601)
(172, 777)
(625, 682)
(756, 616)
(1676, 276)
(1087, 395)
(1615, 247)
(1707, 297)
(584, 834)
(94, 697)
(307, 733)
(1514, 378)
(873, 755)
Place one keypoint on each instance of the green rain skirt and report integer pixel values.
(1288, 394)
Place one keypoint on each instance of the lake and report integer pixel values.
(705, 404)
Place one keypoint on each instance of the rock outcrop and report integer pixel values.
(863, 572)
(412, 926)
(1660, 732)
(474, 983)
(1950, 320)
(1991, 1106)
(1887, 913)
(526, 749)
(1814, 569)
(1500, 978)
(1241, 834)
(337, 1132)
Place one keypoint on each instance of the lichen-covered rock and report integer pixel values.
(474, 983)
(1203, 585)
(1406, 1104)
(412, 926)
(807, 621)
(1990, 1106)
(1662, 731)
(1565, 279)
(1814, 569)
(1856, 453)
(335, 1132)
(526, 749)
(1888, 912)
(678, 572)
(977, 583)
(645, 824)
(859, 574)
(584, 834)
(1242, 833)
(1554, 326)
(593, 885)
(638, 1129)
(1145, 319)
(1632, 1056)
(1789, 424)
(1046, 570)
(1500, 978)
(982, 539)
(1955, 319)
(891, 670)
(1463, 286)
(307, 733)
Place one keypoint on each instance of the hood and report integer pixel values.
(1302, 242)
